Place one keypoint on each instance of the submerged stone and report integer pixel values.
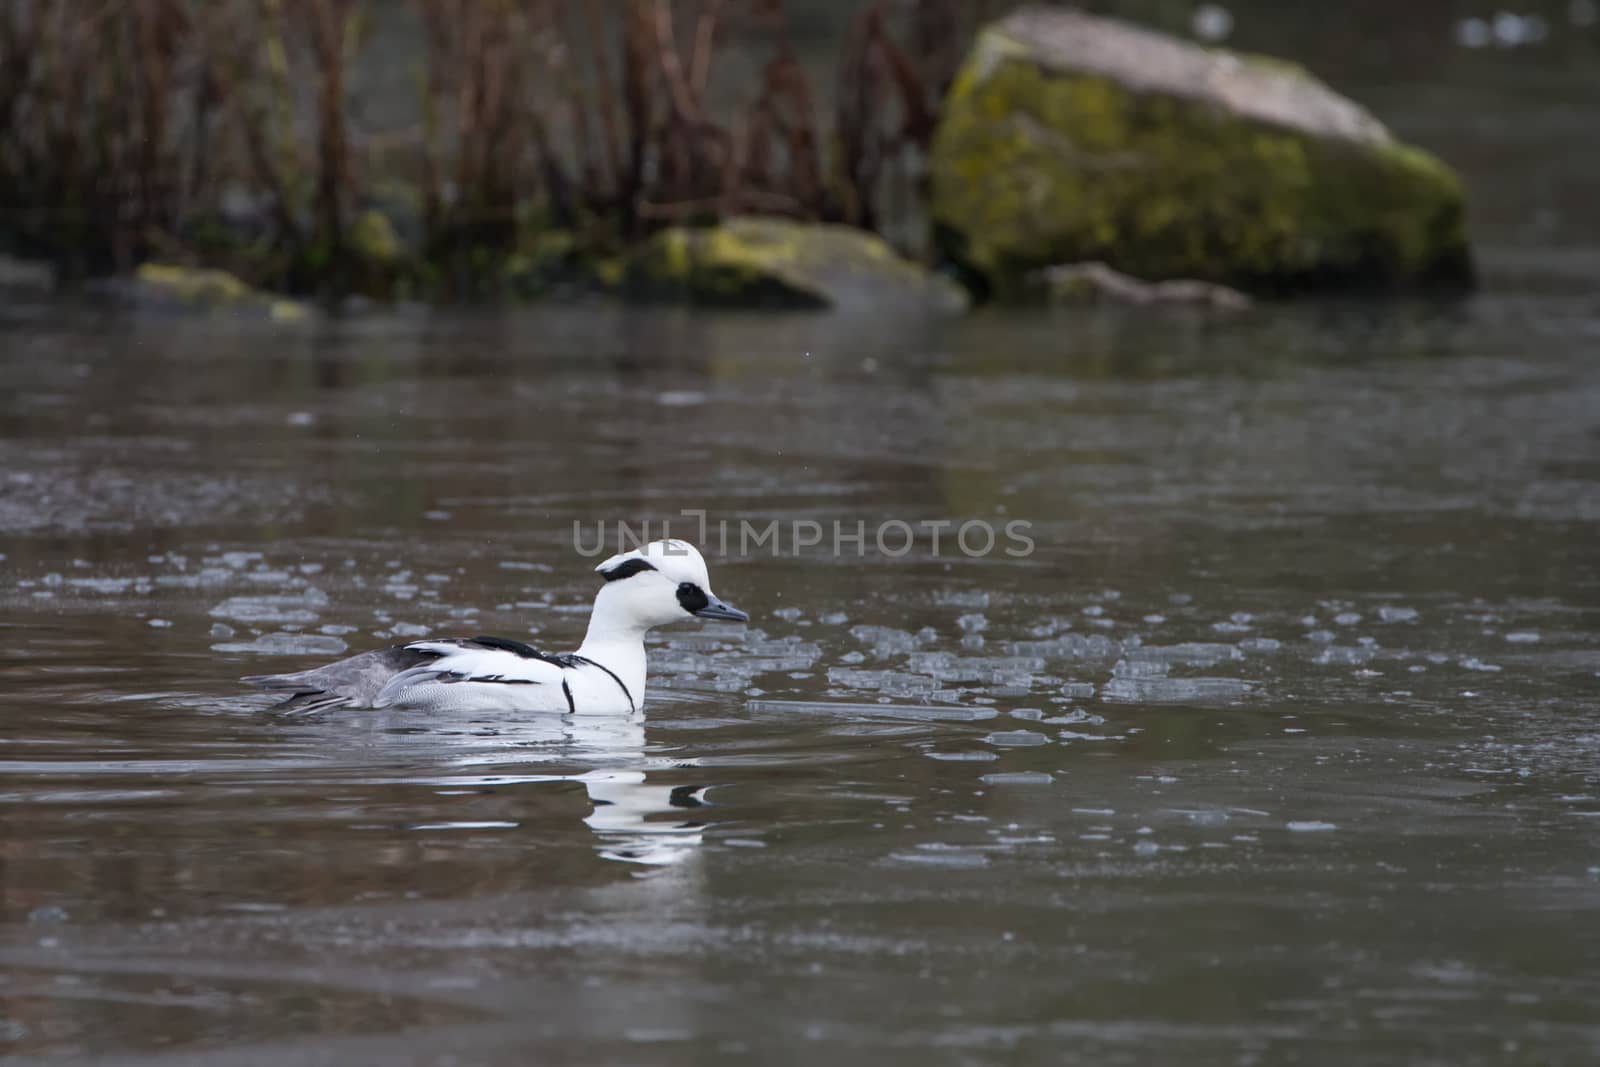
(1070, 138)
(762, 262)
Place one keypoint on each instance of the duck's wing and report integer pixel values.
(491, 662)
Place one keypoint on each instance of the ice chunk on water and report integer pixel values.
(281, 644)
(884, 640)
(1473, 663)
(1139, 668)
(1310, 826)
(280, 608)
(1190, 653)
(1176, 690)
(1067, 646)
(1077, 715)
(1260, 644)
(1018, 778)
(1015, 738)
(919, 712)
(930, 661)
(972, 624)
(1078, 690)
(1344, 655)
(857, 679)
(1391, 613)
(964, 757)
(951, 857)
(1523, 637)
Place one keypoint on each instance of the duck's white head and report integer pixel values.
(665, 581)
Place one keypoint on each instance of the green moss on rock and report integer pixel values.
(760, 262)
(374, 240)
(210, 289)
(1165, 160)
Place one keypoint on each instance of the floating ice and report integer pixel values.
(950, 858)
(1260, 644)
(298, 608)
(1124, 668)
(108, 586)
(1187, 654)
(1175, 690)
(885, 640)
(1018, 778)
(281, 644)
(1017, 738)
(1343, 655)
(1473, 663)
(1389, 613)
(1067, 646)
(1310, 826)
(1523, 637)
(964, 757)
(973, 623)
(918, 712)
(857, 679)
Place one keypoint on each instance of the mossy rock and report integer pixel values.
(374, 240)
(192, 287)
(762, 262)
(1069, 138)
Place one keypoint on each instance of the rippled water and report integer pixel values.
(1282, 747)
(1284, 738)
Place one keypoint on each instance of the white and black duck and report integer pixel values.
(663, 582)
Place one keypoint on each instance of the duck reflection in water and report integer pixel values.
(635, 819)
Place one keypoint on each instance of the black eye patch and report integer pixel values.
(692, 597)
(627, 569)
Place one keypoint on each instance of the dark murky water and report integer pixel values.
(1282, 747)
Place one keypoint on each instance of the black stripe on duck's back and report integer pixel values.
(565, 660)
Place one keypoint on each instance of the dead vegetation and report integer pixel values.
(227, 132)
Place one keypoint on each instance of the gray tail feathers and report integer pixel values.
(351, 682)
